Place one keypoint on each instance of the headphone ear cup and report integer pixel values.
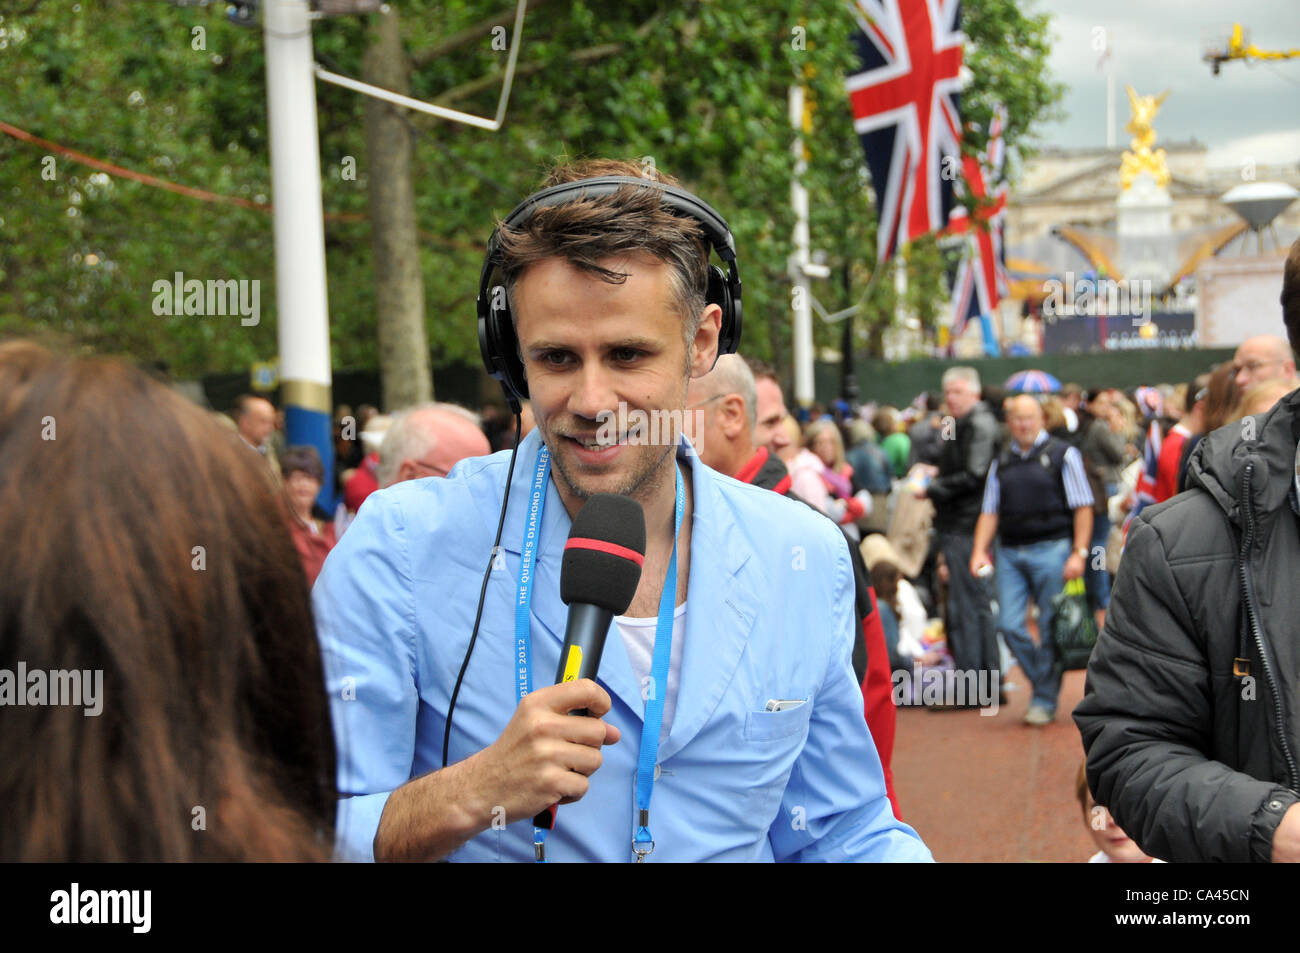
(485, 346)
(514, 365)
(499, 349)
(733, 342)
(719, 293)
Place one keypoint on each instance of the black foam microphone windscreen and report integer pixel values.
(603, 556)
(599, 574)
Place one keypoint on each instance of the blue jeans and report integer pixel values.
(1098, 580)
(1037, 569)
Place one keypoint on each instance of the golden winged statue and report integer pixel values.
(1142, 158)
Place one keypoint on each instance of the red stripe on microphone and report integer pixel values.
(600, 546)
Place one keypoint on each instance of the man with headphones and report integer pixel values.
(597, 302)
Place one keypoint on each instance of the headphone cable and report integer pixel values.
(478, 615)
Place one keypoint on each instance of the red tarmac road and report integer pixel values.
(991, 788)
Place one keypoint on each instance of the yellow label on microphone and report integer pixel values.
(572, 664)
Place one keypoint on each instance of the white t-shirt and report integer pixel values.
(639, 640)
(911, 624)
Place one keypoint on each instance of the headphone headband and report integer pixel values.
(496, 332)
(679, 200)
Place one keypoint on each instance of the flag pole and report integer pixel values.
(302, 308)
(801, 295)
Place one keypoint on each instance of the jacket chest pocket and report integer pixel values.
(774, 725)
(774, 740)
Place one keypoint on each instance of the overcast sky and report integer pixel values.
(1246, 111)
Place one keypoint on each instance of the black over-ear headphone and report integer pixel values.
(496, 330)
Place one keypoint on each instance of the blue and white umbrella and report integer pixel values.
(1033, 382)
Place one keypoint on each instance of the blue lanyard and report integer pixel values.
(642, 843)
(527, 570)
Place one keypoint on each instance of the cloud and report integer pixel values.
(1157, 45)
(1265, 148)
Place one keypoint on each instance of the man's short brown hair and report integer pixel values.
(1291, 296)
(591, 230)
(762, 370)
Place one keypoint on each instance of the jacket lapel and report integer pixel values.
(723, 606)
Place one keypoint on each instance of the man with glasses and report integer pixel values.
(428, 440)
(1038, 504)
(1264, 358)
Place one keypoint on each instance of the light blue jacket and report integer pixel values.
(770, 615)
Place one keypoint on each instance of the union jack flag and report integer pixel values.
(981, 280)
(905, 111)
(1145, 491)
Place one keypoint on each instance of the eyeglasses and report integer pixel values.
(1253, 366)
(706, 400)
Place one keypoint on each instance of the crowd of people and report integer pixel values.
(918, 491)
(1083, 463)
(951, 516)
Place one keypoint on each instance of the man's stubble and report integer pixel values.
(639, 485)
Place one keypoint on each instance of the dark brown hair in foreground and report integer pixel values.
(213, 694)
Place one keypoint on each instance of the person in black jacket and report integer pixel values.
(1190, 717)
(969, 441)
(926, 434)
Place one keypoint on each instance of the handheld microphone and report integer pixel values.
(599, 574)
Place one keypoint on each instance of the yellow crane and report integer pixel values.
(1239, 47)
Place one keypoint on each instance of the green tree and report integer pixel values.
(700, 89)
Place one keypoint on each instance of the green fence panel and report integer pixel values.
(898, 383)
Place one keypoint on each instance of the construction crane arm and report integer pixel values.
(1240, 48)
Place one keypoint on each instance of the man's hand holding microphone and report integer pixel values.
(552, 743)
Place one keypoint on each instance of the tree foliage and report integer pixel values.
(700, 89)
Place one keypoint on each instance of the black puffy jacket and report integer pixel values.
(1191, 719)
